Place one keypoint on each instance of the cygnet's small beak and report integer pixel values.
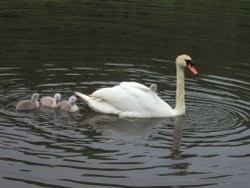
(193, 69)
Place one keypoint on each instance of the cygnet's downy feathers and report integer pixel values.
(29, 104)
(51, 102)
(69, 106)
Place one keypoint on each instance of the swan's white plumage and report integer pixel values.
(131, 99)
(134, 85)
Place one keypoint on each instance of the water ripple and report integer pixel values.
(59, 46)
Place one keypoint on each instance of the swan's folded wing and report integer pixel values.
(134, 85)
(130, 98)
(104, 93)
(127, 97)
(125, 90)
(120, 98)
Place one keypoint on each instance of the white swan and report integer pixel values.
(131, 99)
(51, 102)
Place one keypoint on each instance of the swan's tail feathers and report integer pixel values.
(86, 98)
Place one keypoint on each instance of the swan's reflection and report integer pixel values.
(179, 162)
(133, 130)
(177, 136)
(113, 125)
(126, 129)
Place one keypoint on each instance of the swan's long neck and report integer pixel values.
(180, 107)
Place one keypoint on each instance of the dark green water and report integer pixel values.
(50, 46)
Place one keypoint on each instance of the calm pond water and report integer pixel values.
(50, 46)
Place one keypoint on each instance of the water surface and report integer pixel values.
(64, 46)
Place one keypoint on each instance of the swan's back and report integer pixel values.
(133, 97)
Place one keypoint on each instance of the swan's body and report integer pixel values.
(29, 104)
(69, 106)
(131, 99)
(50, 101)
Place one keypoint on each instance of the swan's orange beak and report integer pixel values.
(193, 69)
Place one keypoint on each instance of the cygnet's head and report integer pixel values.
(72, 100)
(57, 97)
(35, 97)
(186, 61)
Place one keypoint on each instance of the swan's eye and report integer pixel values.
(189, 61)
